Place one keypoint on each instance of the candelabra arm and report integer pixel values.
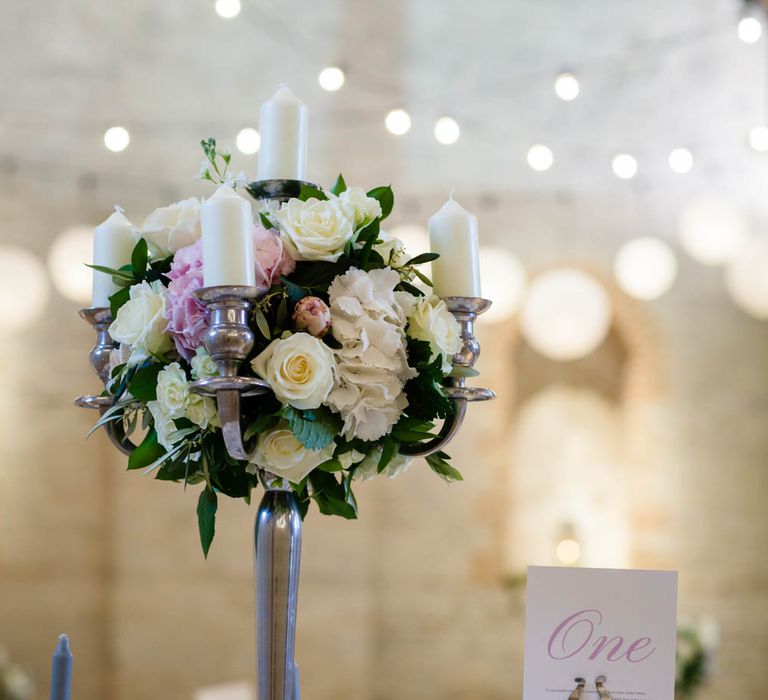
(465, 310)
(101, 318)
(228, 406)
(450, 427)
(116, 432)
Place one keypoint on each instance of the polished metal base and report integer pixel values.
(277, 552)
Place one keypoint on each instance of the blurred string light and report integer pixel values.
(750, 29)
(624, 166)
(504, 279)
(331, 78)
(67, 259)
(117, 138)
(398, 122)
(758, 138)
(447, 130)
(681, 160)
(540, 157)
(23, 279)
(567, 86)
(645, 268)
(228, 8)
(568, 551)
(248, 141)
(566, 314)
(746, 278)
(712, 229)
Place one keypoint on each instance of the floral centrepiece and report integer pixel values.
(354, 353)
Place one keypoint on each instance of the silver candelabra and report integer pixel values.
(277, 530)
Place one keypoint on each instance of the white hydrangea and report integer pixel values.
(368, 319)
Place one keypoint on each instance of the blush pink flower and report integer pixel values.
(188, 318)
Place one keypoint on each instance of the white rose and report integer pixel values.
(169, 228)
(280, 453)
(173, 390)
(141, 322)
(431, 321)
(370, 466)
(203, 365)
(391, 249)
(315, 229)
(299, 369)
(165, 428)
(362, 208)
(201, 410)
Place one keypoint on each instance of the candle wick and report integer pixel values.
(119, 209)
(453, 191)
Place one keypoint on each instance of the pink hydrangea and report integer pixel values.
(188, 318)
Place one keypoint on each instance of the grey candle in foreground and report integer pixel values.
(61, 670)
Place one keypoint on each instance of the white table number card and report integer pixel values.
(590, 622)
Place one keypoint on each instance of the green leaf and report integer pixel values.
(385, 198)
(143, 386)
(265, 221)
(259, 425)
(389, 448)
(262, 324)
(118, 299)
(426, 399)
(120, 274)
(281, 316)
(139, 258)
(404, 286)
(419, 352)
(206, 518)
(309, 192)
(147, 453)
(330, 465)
(339, 186)
(318, 275)
(423, 258)
(295, 292)
(422, 277)
(330, 495)
(438, 464)
(315, 428)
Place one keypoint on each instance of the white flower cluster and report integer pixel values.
(175, 400)
(368, 319)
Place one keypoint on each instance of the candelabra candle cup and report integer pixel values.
(277, 190)
(228, 340)
(100, 318)
(466, 310)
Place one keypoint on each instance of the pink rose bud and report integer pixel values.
(312, 315)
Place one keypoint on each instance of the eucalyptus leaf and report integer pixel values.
(438, 464)
(262, 324)
(421, 259)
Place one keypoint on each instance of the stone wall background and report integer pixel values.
(413, 600)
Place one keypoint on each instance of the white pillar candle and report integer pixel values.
(113, 243)
(453, 235)
(227, 229)
(283, 127)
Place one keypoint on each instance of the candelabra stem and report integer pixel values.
(277, 552)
